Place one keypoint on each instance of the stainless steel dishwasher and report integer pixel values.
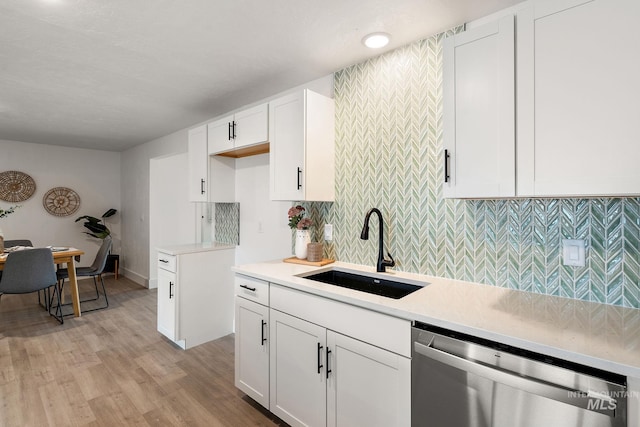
(458, 380)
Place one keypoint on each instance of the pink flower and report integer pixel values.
(297, 219)
(295, 211)
(304, 224)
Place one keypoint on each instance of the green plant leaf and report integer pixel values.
(91, 219)
(109, 213)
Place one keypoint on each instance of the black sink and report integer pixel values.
(371, 285)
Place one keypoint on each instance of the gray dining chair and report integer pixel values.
(18, 242)
(95, 270)
(30, 271)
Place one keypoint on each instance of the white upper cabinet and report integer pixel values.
(244, 128)
(578, 109)
(220, 135)
(302, 147)
(576, 117)
(198, 164)
(479, 112)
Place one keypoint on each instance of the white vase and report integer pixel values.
(302, 239)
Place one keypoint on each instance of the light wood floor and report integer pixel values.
(112, 368)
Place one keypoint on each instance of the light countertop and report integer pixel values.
(599, 335)
(193, 248)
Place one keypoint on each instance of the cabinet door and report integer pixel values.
(366, 385)
(220, 135)
(297, 375)
(252, 350)
(198, 164)
(167, 304)
(286, 151)
(578, 68)
(252, 126)
(479, 112)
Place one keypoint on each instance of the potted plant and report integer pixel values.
(298, 222)
(98, 228)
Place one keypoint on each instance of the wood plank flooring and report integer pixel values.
(112, 368)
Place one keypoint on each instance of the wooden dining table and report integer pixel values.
(68, 257)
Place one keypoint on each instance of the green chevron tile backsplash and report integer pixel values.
(389, 152)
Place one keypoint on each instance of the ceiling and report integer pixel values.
(114, 74)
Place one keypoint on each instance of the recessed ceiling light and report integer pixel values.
(376, 40)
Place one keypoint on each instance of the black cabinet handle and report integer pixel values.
(328, 370)
(446, 165)
(262, 332)
(229, 131)
(170, 289)
(164, 260)
(249, 288)
(202, 186)
(319, 357)
(299, 183)
(233, 128)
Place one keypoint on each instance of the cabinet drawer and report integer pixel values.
(167, 262)
(252, 289)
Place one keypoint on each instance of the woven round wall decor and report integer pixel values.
(16, 186)
(61, 201)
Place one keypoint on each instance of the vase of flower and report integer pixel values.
(303, 237)
(298, 222)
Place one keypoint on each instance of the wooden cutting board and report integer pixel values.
(295, 260)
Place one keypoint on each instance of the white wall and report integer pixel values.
(93, 174)
(136, 167)
(135, 191)
(172, 218)
(264, 233)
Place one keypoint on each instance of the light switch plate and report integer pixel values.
(328, 232)
(573, 252)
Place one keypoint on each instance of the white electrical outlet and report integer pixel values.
(328, 232)
(573, 252)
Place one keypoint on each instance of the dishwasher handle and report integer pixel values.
(600, 403)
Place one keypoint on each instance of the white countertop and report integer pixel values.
(193, 248)
(599, 335)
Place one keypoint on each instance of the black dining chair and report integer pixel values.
(29, 271)
(95, 270)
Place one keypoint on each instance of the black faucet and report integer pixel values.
(364, 235)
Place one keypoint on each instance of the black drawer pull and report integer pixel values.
(248, 288)
(164, 260)
(263, 337)
(446, 165)
(320, 347)
(170, 288)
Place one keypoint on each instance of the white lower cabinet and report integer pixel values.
(321, 377)
(252, 350)
(366, 386)
(298, 374)
(313, 361)
(195, 296)
(167, 303)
